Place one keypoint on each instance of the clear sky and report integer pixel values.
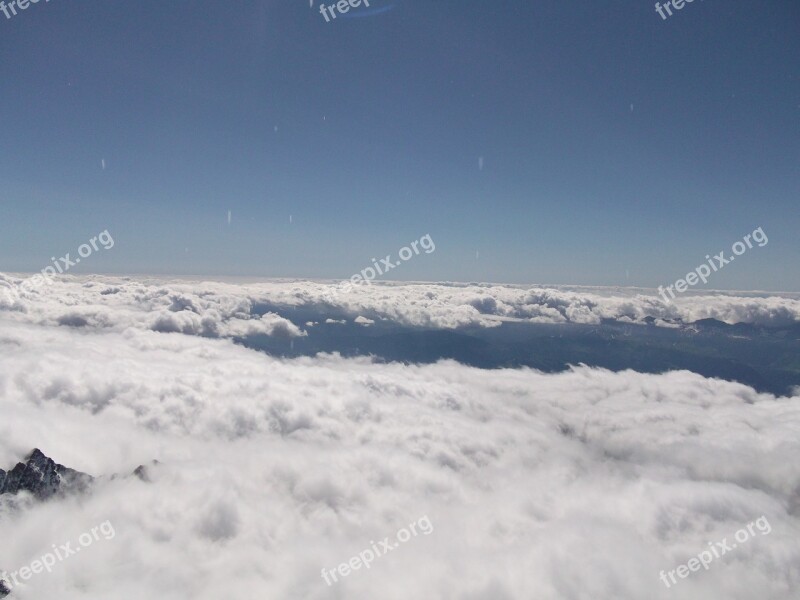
(536, 141)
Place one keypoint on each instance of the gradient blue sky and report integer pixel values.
(618, 148)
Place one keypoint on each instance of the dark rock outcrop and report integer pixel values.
(4, 591)
(43, 478)
(143, 471)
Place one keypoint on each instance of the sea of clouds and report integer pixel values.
(571, 486)
(219, 309)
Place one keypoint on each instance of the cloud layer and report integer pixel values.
(216, 309)
(582, 484)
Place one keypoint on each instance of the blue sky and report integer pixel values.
(617, 148)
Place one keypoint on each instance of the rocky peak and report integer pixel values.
(42, 477)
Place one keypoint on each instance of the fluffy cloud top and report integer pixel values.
(120, 303)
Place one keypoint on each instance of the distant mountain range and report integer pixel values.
(765, 358)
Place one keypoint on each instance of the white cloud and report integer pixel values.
(119, 303)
